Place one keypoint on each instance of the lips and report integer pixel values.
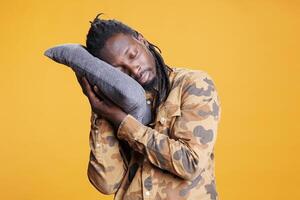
(144, 77)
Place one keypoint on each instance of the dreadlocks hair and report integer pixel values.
(101, 30)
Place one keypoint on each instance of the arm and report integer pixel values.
(106, 167)
(194, 131)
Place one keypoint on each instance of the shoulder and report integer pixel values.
(187, 77)
(195, 85)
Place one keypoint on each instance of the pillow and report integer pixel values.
(119, 87)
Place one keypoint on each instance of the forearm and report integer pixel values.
(179, 157)
(106, 166)
(105, 178)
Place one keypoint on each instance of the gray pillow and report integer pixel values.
(119, 87)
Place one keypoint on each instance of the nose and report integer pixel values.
(135, 71)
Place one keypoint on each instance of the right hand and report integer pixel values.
(84, 89)
(100, 104)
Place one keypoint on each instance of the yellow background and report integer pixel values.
(250, 48)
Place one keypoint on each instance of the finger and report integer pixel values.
(86, 83)
(85, 80)
(79, 79)
(96, 88)
(91, 95)
(82, 85)
(97, 92)
(102, 96)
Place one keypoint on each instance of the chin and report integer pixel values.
(149, 84)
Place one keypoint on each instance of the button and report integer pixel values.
(162, 120)
(97, 145)
(147, 193)
(96, 131)
(148, 102)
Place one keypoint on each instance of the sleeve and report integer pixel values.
(106, 167)
(194, 132)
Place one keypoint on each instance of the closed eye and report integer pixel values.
(133, 55)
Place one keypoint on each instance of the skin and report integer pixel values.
(130, 55)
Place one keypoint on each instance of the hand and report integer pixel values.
(100, 104)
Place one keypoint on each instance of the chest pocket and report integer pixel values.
(166, 117)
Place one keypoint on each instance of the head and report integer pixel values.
(127, 50)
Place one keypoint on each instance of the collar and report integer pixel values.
(151, 94)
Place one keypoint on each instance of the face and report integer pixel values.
(132, 56)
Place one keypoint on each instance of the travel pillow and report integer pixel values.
(119, 87)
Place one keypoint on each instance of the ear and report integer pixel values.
(142, 39)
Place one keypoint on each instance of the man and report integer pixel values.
(173, 156)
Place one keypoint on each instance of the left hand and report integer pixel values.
(100, 104)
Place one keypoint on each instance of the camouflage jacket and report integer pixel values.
(172, 158)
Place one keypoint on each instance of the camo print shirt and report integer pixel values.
(169, 159)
